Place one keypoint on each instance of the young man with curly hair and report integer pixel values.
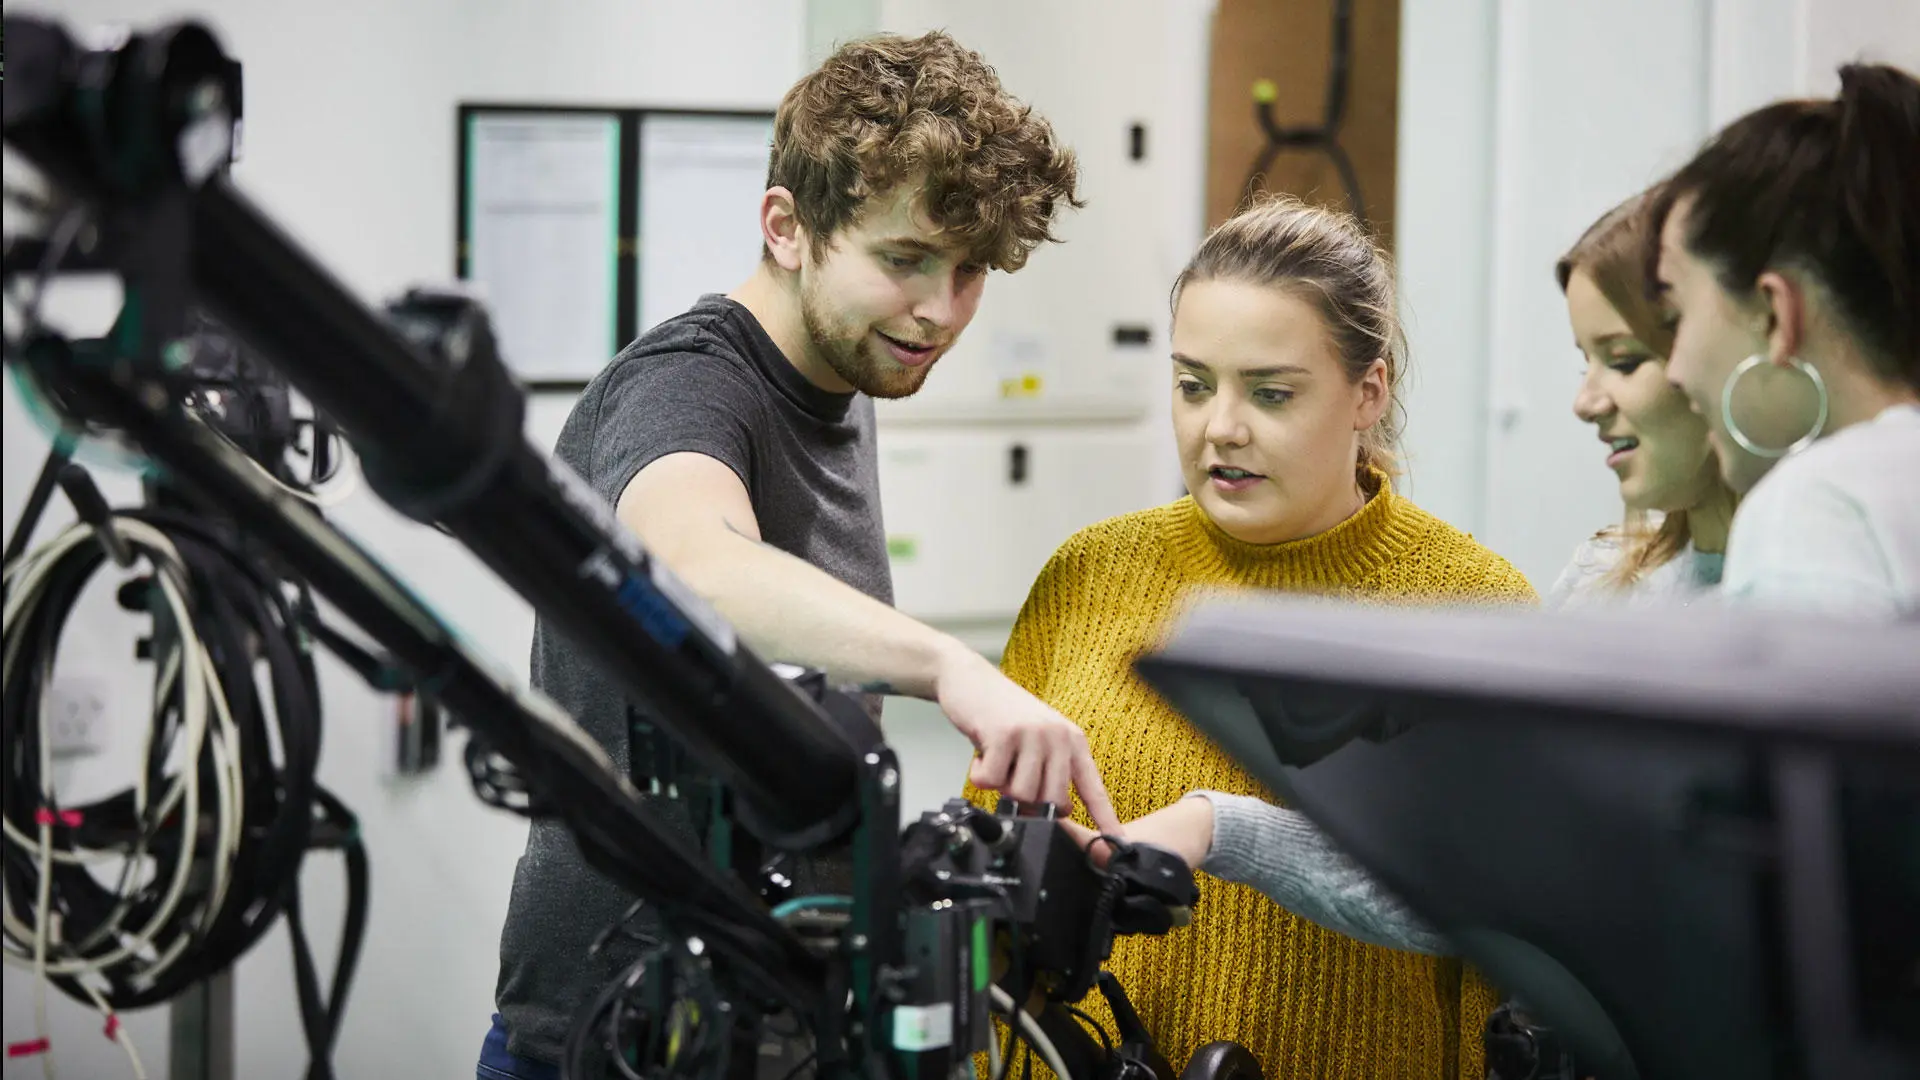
(737, 441)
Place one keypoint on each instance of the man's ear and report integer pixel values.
(1375, 395)
(1785, 304)
(780, 228)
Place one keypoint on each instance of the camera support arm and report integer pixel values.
(439, 436)
(616, 831)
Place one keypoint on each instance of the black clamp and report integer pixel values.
(1325, 136)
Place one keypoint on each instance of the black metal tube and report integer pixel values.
(618, 834)
(452, 438)
(37, 501)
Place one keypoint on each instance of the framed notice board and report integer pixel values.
(583, 226)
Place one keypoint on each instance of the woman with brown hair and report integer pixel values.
(1670, 547)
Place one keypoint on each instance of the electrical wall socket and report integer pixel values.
(76, 716)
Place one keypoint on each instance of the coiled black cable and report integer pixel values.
(209, 865)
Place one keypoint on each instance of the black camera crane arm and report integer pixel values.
(439, 435)
(617, 833)
(440, 438)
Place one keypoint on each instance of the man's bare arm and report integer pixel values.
(693, 512)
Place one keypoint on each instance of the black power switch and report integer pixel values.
(1017, 464)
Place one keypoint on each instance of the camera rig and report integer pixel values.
(962, 914)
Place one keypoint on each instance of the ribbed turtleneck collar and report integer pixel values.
(1349, 552)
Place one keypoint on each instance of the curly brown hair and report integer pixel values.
(887, 110)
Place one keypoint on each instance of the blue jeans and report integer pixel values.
(497, 1064)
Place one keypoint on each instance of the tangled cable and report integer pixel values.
(130, 900)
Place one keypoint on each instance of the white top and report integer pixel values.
(1686, 577)
(1835, 529)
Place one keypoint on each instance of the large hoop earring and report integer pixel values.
(1740, 437)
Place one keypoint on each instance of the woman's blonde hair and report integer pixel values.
(1611, 252)
(1327, 258)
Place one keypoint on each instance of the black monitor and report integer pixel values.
(1687, 839)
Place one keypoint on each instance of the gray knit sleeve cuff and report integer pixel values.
(1269, 847)
(1283, 855)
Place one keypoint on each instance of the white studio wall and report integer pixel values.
(1519, 115)
(1443, 214)
(1828, 33)
(1754, 56)
(349, 143)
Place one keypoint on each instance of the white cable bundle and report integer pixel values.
(1030, 1030)
(138, 955)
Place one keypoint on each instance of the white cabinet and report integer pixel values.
(972, 516)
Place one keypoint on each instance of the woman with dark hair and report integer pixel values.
(1788, 257)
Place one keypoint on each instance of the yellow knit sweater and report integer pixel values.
(1308, 1002)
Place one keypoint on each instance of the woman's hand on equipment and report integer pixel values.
(1184, 828)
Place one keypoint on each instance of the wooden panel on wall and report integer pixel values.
(1290, 42)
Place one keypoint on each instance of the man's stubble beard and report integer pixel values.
(849, 352)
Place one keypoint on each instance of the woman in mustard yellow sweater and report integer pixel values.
(1286, 352)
